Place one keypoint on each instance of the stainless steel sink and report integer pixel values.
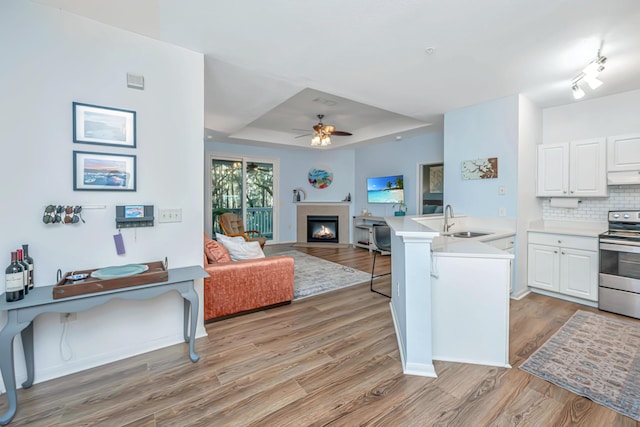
(468, 234)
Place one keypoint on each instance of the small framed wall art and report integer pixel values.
(103, 172)
(480, 168)
(93, 124)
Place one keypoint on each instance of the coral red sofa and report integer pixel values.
(235, 287)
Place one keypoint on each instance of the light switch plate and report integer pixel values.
(170, 215)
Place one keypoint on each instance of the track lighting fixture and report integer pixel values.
(589, 75)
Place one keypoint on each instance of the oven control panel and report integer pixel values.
(624, 216)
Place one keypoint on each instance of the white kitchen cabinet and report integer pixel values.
(544, 267)
(623, 153)
(553, 170)
(564, 264)
(573, 169)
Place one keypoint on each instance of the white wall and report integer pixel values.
(529, 136)
(600, 117)
(395, 158)
(486, 130)
(588, 118)
(294, 169)
(50, 59)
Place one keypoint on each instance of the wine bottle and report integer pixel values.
(14, 280)
(29, 261)
(25, 271)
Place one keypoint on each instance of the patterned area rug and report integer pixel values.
(595, 356)
(313, 275)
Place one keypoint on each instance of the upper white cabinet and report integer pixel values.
(623, 159)
(553, 169)
(623, 153)
(573, 169)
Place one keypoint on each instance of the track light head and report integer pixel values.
(577, 92)
(594, 83)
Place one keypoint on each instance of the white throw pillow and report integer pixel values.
(239, 248)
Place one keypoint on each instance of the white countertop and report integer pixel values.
(574, 228)
(449, 246)
(405, 226)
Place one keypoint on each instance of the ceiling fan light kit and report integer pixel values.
(322, 133)
(588, 75)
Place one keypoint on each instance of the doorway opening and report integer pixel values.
(431, 188)
(245, 187)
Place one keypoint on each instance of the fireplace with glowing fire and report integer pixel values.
(322, 228)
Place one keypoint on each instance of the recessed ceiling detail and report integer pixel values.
(286, 123)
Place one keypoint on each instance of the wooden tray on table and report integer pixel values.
(156, 272)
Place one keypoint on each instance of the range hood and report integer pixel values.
(623, 178)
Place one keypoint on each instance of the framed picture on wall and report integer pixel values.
(103, 172)
(480, 168)
(436, 179)
(93, 124)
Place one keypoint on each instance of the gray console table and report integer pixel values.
(40, 300)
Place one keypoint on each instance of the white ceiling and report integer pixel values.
(272, 66)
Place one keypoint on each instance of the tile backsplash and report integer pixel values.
(596, 209)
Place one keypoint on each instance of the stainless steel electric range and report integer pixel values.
(619, 280)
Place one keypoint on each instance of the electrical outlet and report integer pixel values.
(502, 190)
(398, 289)
(502, 212)
(68, 317)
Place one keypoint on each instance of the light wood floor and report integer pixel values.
(331, 359)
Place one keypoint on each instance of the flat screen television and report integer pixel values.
(385, 189)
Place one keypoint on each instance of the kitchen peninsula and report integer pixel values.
(450, 294)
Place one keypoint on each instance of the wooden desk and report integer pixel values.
(40, 300)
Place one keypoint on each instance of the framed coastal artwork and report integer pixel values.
(320, 176)
(480, 168)
(93, 124)
(436, 179)
(103, 172)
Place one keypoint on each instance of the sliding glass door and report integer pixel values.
(245, 187)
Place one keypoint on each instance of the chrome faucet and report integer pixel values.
(448, 214)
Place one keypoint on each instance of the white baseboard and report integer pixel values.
(419, 369)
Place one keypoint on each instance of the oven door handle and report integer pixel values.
(620, 248)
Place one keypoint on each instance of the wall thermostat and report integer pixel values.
(128, 216)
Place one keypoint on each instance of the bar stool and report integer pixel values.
(382, 241)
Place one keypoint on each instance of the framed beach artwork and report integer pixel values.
(480, 168)
(103, 172)
(93, 124)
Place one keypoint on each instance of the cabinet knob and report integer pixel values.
(571, 191)
(555, 252)
(559, 241)
(564, 192)
(562, 253)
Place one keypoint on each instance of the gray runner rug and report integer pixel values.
(595, 356)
